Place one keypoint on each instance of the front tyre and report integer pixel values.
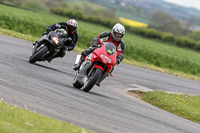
(91, 81)
(38, 54)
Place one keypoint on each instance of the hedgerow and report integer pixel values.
(147, 32)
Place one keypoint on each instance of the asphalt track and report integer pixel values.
(46, 88)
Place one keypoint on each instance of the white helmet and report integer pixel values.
(118, 32)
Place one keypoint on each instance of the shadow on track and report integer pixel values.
(87, 93)
(100, 95)
(52, 69)
(47, 67)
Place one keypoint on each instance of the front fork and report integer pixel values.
(106, 74)
(102, 78)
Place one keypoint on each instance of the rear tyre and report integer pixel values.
(38, 54)
(76, 83)
(91, 81)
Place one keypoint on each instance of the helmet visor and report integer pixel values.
(118, 35)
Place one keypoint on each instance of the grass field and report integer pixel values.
(186, 106)
(16, 120)
(132, 16)
(119, 13)
(132, 23)
(150, 52)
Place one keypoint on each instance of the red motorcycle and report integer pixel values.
(96, 67)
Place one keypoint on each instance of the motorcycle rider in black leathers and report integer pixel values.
(115, 37)
(70, 27)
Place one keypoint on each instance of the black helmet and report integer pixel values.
(72, 25)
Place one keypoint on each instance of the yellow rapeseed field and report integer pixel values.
(132, 22)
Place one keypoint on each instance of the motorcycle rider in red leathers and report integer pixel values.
(115, 37)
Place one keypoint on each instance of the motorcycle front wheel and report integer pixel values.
(38, 54)
(91, 81)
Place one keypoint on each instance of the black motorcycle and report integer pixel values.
(49, 46)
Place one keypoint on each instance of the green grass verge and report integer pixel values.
(186, 106)
(16, 120)
(18, 35)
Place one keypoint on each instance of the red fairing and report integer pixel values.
(101, 55)
(97, 66)
(109, 68)
(94, 58)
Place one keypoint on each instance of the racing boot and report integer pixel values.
(49, 60)
(61, 54)
(34, 43)
(77, 66)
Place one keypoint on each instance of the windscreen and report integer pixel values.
(110, 48)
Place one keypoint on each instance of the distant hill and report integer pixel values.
(174, 10)
(144, 9)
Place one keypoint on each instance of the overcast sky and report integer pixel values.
(186, 3)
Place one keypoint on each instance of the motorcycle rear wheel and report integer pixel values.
(38, 54)
(91, 81)
(76, 83)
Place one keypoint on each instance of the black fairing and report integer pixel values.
(52, 47)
